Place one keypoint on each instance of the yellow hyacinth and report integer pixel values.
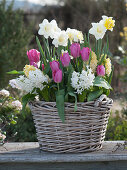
(93, 63)
(108, 66)
(109, 23)
(28, 68)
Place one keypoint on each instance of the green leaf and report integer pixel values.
(74, 95)
(26, 99)
(60, 104)
(93, 95)
(16, 72)
(101, 82)
(82, 97)
(46, 45)
(41, 50)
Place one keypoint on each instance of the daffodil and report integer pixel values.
(108, 22)
(61, 39)
(98, 30)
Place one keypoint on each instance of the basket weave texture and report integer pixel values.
(83, 131)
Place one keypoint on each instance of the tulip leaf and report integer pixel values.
(101, 82)
(26, 99)
(75, 96)
(16, 72)
(95, 94)
(60, 104)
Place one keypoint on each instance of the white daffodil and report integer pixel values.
(45, 28)
(70, 32)
(108, 22)
(55, 29)
(98, 30)
(78, 36)
(61, 39)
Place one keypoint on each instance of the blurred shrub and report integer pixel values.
(14, 38)
(24, 130)
(117, 127)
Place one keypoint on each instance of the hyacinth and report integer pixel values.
(93, 63)
(36, 79)
(28, 68)
(82, 81)
(108, 66)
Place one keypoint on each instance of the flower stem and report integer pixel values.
(58, 86)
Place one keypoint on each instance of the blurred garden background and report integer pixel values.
(19, 24)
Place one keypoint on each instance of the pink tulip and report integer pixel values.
(75, 50)
(34, 64)
(57, 76)
(65, 59)
(43, 67)
(33, 55)
(85, 52)
(100, 70)
(54, 66)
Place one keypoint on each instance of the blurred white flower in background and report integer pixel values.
(98, 30)
(4, 93)
(13, 84)
(17, 105)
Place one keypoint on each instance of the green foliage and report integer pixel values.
(100, 82)
(95, 94)
(117, 127)
(14, 39)
(23, 130)
(60, 104)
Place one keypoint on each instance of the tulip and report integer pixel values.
(33, 55)
(57, 76)
(65, 59)
(54, 66)
(43, 67)
(34, 64)
(100, 70)
(75, 50)
(85, 52)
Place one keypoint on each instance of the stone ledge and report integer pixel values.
(28, 155)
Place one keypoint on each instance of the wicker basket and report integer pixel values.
(83, 131)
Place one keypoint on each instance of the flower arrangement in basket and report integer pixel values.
(67, 77)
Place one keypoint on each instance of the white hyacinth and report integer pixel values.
(61, 39)
(36, 79)
(17, 105)
(82, 81)
(4, 93)
(98, 30)
(49, 29)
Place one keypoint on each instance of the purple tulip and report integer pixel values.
(57, 76)
(34, 64)
(85, 52)
(43, 67)
(54, 66)
(33, 55)
(100, 70)
(75, 50)
(65, 59)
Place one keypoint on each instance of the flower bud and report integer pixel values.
(33, 55)
(54, 66)
(85, 52)
(57, 76)
(100, 70)
(65, 59)
(75, 50)
(43, 67)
